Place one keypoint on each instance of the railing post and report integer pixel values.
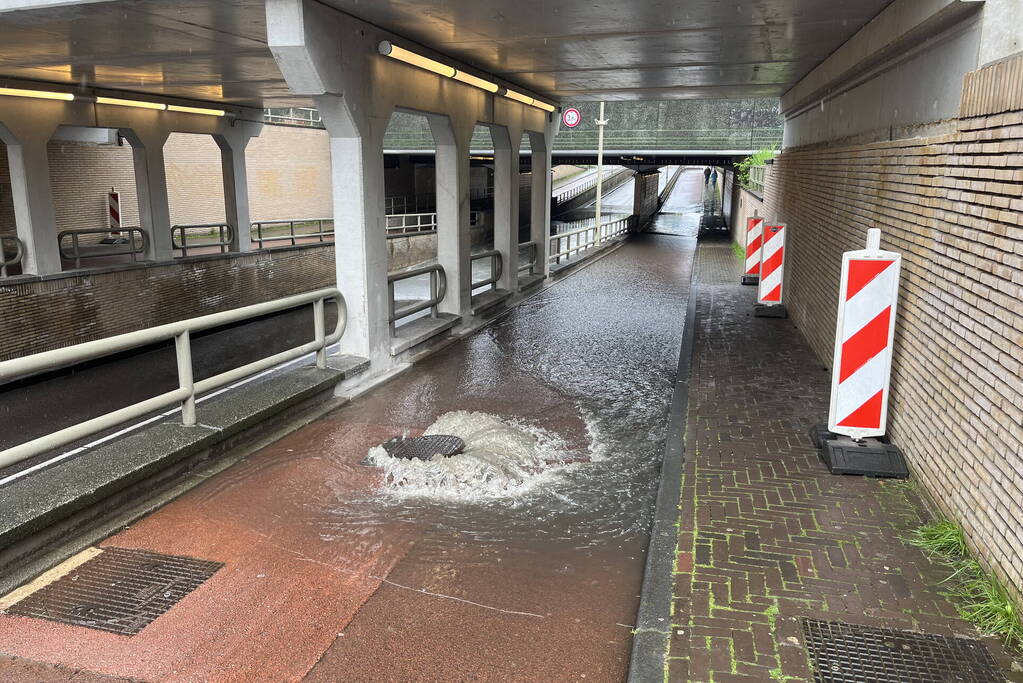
(183, 351)
(320, 330)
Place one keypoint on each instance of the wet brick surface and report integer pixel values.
(767, 536)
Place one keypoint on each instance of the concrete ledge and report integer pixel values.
(487, 300)
(44, 509)
(530, 280)
(416, 332)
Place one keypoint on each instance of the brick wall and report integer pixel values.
(69, 310)
(953, 206)
(289, 174)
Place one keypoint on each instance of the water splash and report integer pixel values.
(501, 458)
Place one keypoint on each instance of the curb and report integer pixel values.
(653, 619)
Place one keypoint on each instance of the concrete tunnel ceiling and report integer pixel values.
(568, 49)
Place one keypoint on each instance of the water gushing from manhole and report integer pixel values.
(501, 458)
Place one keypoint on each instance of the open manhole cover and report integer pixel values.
(120, 590)
(423, 447)
(845, 653)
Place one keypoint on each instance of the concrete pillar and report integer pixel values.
(360, 233)
(236, 181)
(540, 214)
(33, 198)
(506, 203)
(151, 188)
(453, 240)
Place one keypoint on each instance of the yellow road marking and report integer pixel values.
(46, 578)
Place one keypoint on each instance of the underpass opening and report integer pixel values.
(195, 195)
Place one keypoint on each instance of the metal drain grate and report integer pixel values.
(423, 447)
(120, 590)
(845, 653)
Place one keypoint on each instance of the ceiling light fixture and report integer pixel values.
(388, 49)
(41, 94)
(196, 110)
(475, 81)
(131, 103)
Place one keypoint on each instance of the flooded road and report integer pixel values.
(529, 570)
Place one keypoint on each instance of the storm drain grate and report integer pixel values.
(120, 590)
(845, 653)
(423, 447)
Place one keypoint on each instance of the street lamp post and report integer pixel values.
(601, 122)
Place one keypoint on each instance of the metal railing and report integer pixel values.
(184, 395)
(322, 234)
(294, 116)
(438, 288)
(77, 251)
(224, 236)
(528, 263)
(410, 204)
(496, 268)
(574, 242)
(756, 179)
(19, 252)
(577, 190)
(413, 224)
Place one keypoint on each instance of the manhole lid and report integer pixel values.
(846, 653)
(119, 590)
(423, 447)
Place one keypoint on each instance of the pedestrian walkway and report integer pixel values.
(767, 536)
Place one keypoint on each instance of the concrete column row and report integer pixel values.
(27, 131)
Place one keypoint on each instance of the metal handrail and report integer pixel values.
(530, 263)
(584, 240)
(438, 288)
(179, 236)
(19, 253)
(258, 238)
(756, 179)
(416, 224)
(577, 190)
(418, 201)
(77, 251)
(187, 389)
(496, 268)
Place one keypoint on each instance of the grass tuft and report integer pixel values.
(987, 604)
(942, 538)
(740, 253)
(983, 600)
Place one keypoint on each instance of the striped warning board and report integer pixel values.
(772, 264)
(114, 212)
(868, 296)
(754, 236)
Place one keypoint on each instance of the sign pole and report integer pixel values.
(601, 122)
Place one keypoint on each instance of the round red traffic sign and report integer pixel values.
(571, 117)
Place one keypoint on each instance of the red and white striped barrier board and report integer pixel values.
(772, 264)
(754, 236)
(114, 212)
(863, 340)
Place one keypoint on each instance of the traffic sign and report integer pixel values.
(571, 117)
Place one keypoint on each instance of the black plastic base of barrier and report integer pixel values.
(750, 279)
(869, 458)
(775, 311)
(819, 434)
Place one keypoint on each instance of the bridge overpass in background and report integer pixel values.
(201, 450)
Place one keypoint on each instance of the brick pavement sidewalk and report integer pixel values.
(767, 536)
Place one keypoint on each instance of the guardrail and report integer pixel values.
(574, 242)
(224, 232)
(438, 288)
(184, 395)
(409, 204)
(529, 263)
(496, 268)
(322, 234)
(577, 190)
(756, 179)
(77, 251)
(413, 224)
(19, 252)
